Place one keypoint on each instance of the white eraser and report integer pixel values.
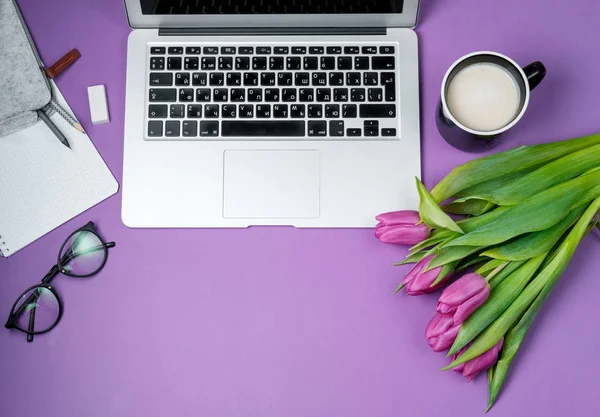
(98, 104)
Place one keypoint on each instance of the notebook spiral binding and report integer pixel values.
(3, 249)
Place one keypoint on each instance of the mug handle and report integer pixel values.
(535, 72)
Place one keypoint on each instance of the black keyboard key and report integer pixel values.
(174, 63)
(375, 94)
(194, 111)
(216, 79)
(388, 132)
(316, 50)
(340, 94)
(161, 79)
(242, 128)
(289, 94)
(220, 95)
(358, 94)
(281, 50)
(157, 111)
(199, 78)
(163, 94)
(299, 50)
(293, 63)
(385, 50)
(263, 50)
(336, 128)
(344, 63)
(211, 111)
(336, 78)
(311, 63)
(211, 50)
(306, 95)
(334, 50)
(259, 63)
(246, 50)
(177, 111)
(285, 78)
(388, 81)
(155, 128)
(327, 63)
(263, 111)
(203, 95)
(302, 78)
(323, 94)
(332, 111)
(225, 63)
(182, 79)
(234, 78)
(351, 50)
(191, 63)
(228, 111)
(272, 95)
(297, 111)
(246, 111)
(176, 50)
(208, 63)
(349, 111)
(372, 132)
(267, 79)
(276, 63)
(190, 129)
(280, 111)
(250, 78)
(384, 62)
(228, 50)
(186, 95)
(315, 111)
(371, 78)
(158, 50)
(157, 63)
(379, 111)
(353, 78)
(369, 50)
(354, 132)
(255, 95)
(242, 63)
(172, 128)
(317, 128)
(238, 94)
(193, 50)
(209, 129)
(319, 78)
(361, 63)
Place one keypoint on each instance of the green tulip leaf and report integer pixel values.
(469, 207)
(432, 214)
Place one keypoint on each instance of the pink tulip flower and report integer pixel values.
(470, 369)
(400, 227)
(418, 282)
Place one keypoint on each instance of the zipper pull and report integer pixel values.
(63, 63)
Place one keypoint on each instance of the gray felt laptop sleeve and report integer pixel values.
(24, 87)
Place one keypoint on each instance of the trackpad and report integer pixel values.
(263, 184)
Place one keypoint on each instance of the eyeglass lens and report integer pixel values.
(83, 254)
(38, 306)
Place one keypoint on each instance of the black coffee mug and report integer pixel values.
(472, 140)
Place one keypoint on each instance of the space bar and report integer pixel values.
(266, 128)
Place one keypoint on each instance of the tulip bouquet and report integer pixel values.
(503, 228)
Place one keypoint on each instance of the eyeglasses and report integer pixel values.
(39, 309)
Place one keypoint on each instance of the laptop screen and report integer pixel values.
(233, 7)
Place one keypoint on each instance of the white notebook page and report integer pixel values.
(43, 183)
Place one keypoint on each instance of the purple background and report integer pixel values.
(276, 322)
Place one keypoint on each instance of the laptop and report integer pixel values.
(301, 113)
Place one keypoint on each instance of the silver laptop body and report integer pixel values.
(270, 112)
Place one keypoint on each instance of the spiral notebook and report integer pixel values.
(43, 183)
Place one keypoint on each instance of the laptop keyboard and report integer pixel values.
(273, 92)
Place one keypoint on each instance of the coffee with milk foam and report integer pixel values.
(483, 97)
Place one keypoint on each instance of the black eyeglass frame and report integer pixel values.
(53, 273)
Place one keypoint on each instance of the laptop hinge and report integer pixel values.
(272, 31)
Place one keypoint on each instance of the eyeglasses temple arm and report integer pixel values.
(31, 327)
